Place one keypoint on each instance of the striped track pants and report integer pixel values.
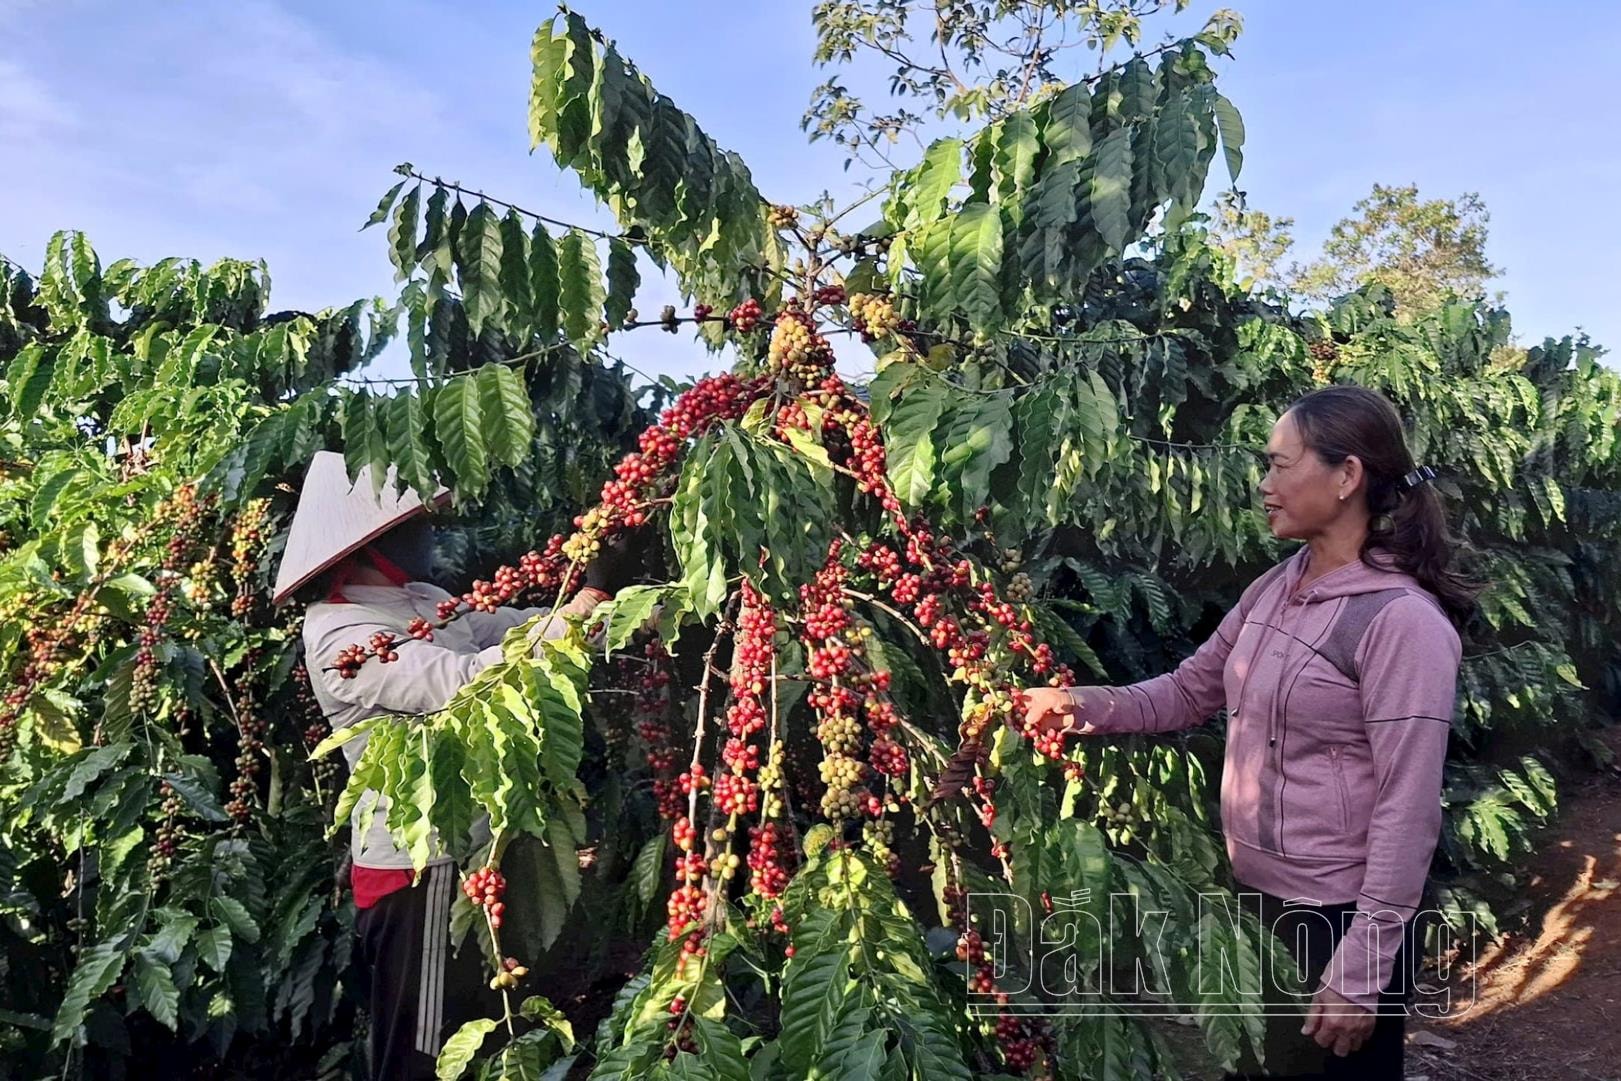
(420, 990)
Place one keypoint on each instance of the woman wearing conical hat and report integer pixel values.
(365, 554)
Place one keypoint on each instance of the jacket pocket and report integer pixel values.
(1339, 787)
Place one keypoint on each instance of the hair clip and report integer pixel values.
(1422, 475)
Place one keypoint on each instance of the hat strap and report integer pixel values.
(390, 569)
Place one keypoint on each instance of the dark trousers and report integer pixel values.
(419, 991)
(1311, 933)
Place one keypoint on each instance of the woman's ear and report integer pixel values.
(1351, 476)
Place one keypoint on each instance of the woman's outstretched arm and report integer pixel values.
(1188, 695)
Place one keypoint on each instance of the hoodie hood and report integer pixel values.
(1351, 579)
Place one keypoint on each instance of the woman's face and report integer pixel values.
(1300, 492)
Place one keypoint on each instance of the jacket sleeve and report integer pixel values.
(1407, 666)
(424, 678)
(1188, 695)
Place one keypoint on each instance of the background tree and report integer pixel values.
(1254, 240)
(1423, 250)
(959, 62)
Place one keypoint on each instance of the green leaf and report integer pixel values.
(1111, 189)
(544, 282)
(976, 263)
(402, 235)
(478, 267)
(647, 873)
(1016, 149)
(932, 180)
(458, 425)
(623, 281)
(508, 416)
(580, 288)
(97, 970)
(196, 795)
(365, 443)
(406, 429)
(27, 379)
(235, 915)
(1176, 149)
(909, 442)
(93, 765)
(50, 489)
(815, 986)
(562, 732)
(516, 285)
(214, 947)
(628, 612)
(1231, 126)
(1068, 131)
(384, 205)
(459, 1051)
(539, 1008)
(547, 52)
(155, 987)
(976, 441)
(722, 1050)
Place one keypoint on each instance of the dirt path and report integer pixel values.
(1547, 1000)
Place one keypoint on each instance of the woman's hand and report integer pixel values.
(1337, 1023)
(1052, 710)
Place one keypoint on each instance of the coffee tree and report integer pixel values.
(823, 540)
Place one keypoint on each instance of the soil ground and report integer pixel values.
(1546, 1002)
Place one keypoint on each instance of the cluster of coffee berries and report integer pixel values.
(251, 727)
(782, 217)
(797, 351)
(199, 584)
(868, 460)
(509, 974)
(878, 836)
(650, 677)
(311, 721)
(537, 571)
(746, 316)
(485, 887)
(768, 868)
(830, 657)
(828, 294)
(143, 686)
(680, 1026)
(247, 544)
(1018, 1039)
(874, 316)
(169, 833)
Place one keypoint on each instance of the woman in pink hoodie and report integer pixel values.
(1338, 669)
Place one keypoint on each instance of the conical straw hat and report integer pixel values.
(334, 518)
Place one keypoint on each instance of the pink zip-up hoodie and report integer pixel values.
(1339, 700)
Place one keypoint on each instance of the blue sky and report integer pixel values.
(268, 129)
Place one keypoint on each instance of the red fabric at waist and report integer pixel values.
(372, 884)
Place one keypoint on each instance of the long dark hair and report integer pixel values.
(1408, 528)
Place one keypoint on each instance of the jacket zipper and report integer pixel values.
(1339, 785)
